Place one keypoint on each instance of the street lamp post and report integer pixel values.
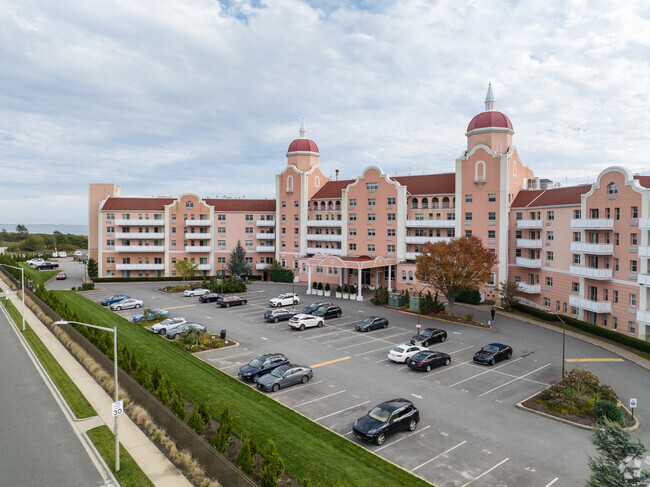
(114, 332)
(223, 276)
(563, 341)
(22, 286)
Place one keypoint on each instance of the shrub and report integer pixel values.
(380, 296)
(608, 410)
(273, 466)
(320, 286)
(244, 458)
(163, 393)
(327, 287)
(222, 438)
(178, 406)
(339, 289)
(314, 285)
(469, 297)
(143, 376)
(196, 422)
(205, 412)
(88, 286)
(155, 377)
(469, 316)
(281, 274)
(353, 290)
(576, 393)
(346, 290)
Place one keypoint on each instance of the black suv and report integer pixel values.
(278, 314)
(314, 306)
(429, 336)
(261, 365)
(331, 311)
(386, 418)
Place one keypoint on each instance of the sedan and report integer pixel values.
(400, 353)
(196, 291)
(261, 365)
(326, 312)
(163, 325)
(284, 376)
(61, 276)
(427, 360)
(428, 336)
(314, 306)
(127, 304)
(35, 262)
(371, 323)
(150, 315)
(229, 301)
(280, 314)
(493, 353)
(302, 321)
(47, 265)
(284, 300)
(209, 298)
(387, 418)
(175, 331)
(114, 299)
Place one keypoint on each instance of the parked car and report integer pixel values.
(387, 418)
(400, 353)
(279, 314)
(47, 265)
(493, 353)
(175, 331)
(314, 306)
(371, 323)
(428, 336)
(114, 299)
(229, 301)
(35, 261)
(261, 365)
(127, 304)
(209, 298)
(196, 291)
(61, 276)
(63, 255)
(427, 360)
(150, 314)
(163, 325)
(302, 321)
(285, 299)
(331, 311)
(77, 253)
(284, 376)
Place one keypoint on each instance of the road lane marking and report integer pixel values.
(402, 438)
(331, 362)
(372, 339)
(594, 360)
(438, 456)
(552, 482)
(487, 371)
(487, 471)
(311, 383)
(456, 351)
(184, 306)
(371, 351)
(434, 373)
(337, 412)
(318, 399)
(515, 379)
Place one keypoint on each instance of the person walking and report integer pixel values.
(493, 312)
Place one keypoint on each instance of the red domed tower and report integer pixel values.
(490, 128)
(303, 152)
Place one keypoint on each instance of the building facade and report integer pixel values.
(580, 250)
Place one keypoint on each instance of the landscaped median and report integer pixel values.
(308, 450)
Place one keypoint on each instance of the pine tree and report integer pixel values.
(237, 265)
(196, 422)
(222, 438)
(244, 458)
(273, 466)
(163, 393)
(178, 406)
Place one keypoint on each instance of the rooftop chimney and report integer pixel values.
(337, 174)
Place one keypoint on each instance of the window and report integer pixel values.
(550, 215)
(371, 217)
(221, 217)
(249, 229)
(468, 233)
(632, 299)
(110, 229)
(126, 216)
(607, 213)
(353, 246)
(353, 202)
(593, 213)
(617, 213)
(221, 243)
(353, 232)
(410, 275)
(468, 216)
(519, 215)
(549, 255)
(110, 242)
(468, 198)
(391, 232)
(371, 201)
(391, 217)
(614, 323)
(549, 235)
(492, 197)
(492, 234)
(221, 260)
(353, 217)
(296, 218)
(616, 239)
(615, 264)
(575, 287)
(221, 229)
(633, 266)
(110, 216)
(249, 218)
(371, 247)
(371, 232)
(633, 239)
(403, 275)
(492, 216)
(631, 327)
(391, 248)
(110, 260)
(577, 236)
(635, 212)
(371, 186)
(547, 302)
(612, 188)
(189, 204)
(557, 306)
(284, 204)
(450, 216)
(577, 214)
(296, 231)
(549, 281)
(391, 201)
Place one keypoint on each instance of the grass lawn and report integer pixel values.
(130, 473)
(307, 449)
(39, 277)
(72, 395)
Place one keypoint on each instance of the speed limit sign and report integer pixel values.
(118, 408)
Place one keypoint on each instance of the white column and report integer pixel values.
(377, 278)
(390, 276)
(308, 278)
(359, 297)
(341, 276)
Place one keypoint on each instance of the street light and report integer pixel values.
(114, 331)
(223, 275)
(563, 340)
(22, 280)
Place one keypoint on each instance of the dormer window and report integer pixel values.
(612, 188)
(189, 204)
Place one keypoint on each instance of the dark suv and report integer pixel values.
(388, 417)
(278, 314)
(314, 306)
(429, 336)
(331, 311)
(261, 365)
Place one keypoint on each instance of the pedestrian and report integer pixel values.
(493, 312)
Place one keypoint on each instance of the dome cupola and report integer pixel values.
(303, 144)
(490, 128)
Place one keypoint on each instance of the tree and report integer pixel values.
(238, 265)
(21, 229)
(509, 290)
(93, 271)
(455, 266)
(186, 268)
(614, 467)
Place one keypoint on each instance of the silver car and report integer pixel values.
(175, 331)
(127, 304)
(163, 325)
(284, 376)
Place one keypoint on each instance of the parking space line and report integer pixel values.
(372, 339)
(522, 378)
(435, 373)
(456, 351)
(438, 456)
(515, 379)
(594, 360)
(231, 366)
(402, 438)
(370, 351)
(552, 482)
(238, 355)
(337, 412)
(331, 362)
(487, 471)
(184, 306)
(485, 372)
(299, 387)
(318, 399)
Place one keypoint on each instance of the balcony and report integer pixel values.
(197, 223)
(198, 248)
(644, 223)
(421, 240)
(139, 223)
(139, 248)
(324, 223)
(592, 248)
(198, 236)
(265, 223)
(265, 236)
(530, 288)
(643, 279)
(203, 267)
(140, 267)
(589, 305)
(644, 252)
(314, 250)
(261, 267)
(591, 272)
(528, 243)
(530, 224)
(324, 238)
(643, 317)
(531, 263)
(138, 235)
(412, 255)
(431, 223)
(592, 224)
(265, 248)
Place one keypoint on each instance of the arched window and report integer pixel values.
(403, 275)
(445, 202)
(414, 203)
(322, 205)
(453, 202)
(612, 188)
(330, 205)
(410, 275)
(425, 203)
(290, 184)
(479, 172)
(514, 168)
(338, 206)
(317, 181)
(435, 203)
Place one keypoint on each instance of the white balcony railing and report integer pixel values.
(643, 279)
(198, 236)
(265, 223)
(261, 267)
(530, 223)
(528, 243)
(532, 263)
(644, 223)
(265, 248)
(138, 223)
(197, 223)
(643, 317)
(421, 240)
(139, 248)
(314, 250)
(324, 238)
(140, 267)
(324, 223)
(530, 288)
(589, 305)
(140, 235)
(203, 267)
(644, 252)
(265, 236)
(592, 223)
(412, 255)
(198, 248)
(591, 248)
(431, 223)
(591, 272)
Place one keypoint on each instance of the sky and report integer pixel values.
(165, 97)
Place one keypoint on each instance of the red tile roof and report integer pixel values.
(136, 204)
(643, 181)
(489, 119)
(235, 204)
(429, 183)
(332, 189)
(550, 197)
(303, 145)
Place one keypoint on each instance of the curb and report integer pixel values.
(477, 325)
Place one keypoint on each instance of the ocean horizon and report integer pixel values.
(48, 228)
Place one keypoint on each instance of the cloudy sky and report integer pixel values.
(165, 97)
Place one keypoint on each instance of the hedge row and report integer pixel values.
(469, 297)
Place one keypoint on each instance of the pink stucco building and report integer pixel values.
(580, 250)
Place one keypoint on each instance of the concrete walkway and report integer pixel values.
(155, 465)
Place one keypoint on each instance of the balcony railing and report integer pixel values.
(261, 267)
(139, 248)
(265, 223)
(324, 238)
(530, 223)
(532, 263)
(530, 288)
(324, 223)
(591, 248)
(643, 317)
(197, 223)
(643, 279)
(265, 236)
(421, 240)
(431, 223)
(592, 224)
(139, 223)
(314, 250)
(529, 243)
(140, 267)
(140, 235)
(589, 305)
(203, 267)
(265, 248)
(412, 255)
(198, 236)
(198, 248)
(644, 252)
(591, 272)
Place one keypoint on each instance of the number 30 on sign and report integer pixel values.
(118, 408)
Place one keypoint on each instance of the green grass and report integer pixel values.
(39, 277)
(130, 473)
(72, 395)
(308, 449)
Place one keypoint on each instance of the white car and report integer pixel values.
(63, 255)
(284, 300)
(196, 291)
(35, 262)
(302, 321)
(165, 324)
(77, 253)
(400, 353)
(127, 304)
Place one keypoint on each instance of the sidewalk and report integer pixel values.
(155, 465)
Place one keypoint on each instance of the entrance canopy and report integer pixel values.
(360, 262)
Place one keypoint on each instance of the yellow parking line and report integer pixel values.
(186, 306)
(594, 360)
(331, 362)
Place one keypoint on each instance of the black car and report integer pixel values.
(387, 418)
(371, 323)
(331, 311)
(262, 365)
(229, 301)
(314, 306)
(427, 360)
(47, 265)
(278, 314)
(429, 336)
(209, 298)
(493, 353)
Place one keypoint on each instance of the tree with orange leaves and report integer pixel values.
(455, 266)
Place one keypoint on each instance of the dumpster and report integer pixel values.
(223, 334)
(395, 300)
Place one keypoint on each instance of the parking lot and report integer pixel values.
(470, 431)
